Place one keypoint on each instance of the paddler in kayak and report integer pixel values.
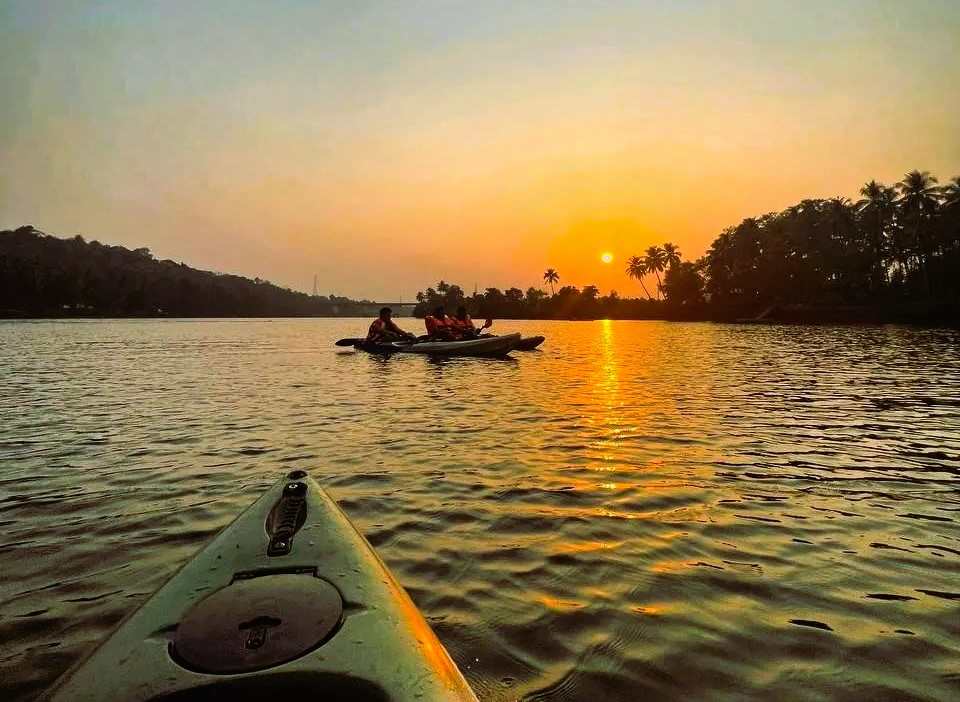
(384, 329)
(440, 327)
(463, 325)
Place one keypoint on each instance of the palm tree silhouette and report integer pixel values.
(551, 276)
(919, 198)
(671, 255)
(655, 260)
(636, 268)
(919, 190)
(877, 206)
(951, 192)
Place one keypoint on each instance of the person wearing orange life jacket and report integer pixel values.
(383, 328)
(440, 326)
(463, 325)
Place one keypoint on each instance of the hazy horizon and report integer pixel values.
(384, 146)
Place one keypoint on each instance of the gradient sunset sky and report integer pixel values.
(384, 145)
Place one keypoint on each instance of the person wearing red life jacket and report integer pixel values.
(439, 326)
(463, 325)
(383, 328)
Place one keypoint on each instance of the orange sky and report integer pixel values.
(386, 145)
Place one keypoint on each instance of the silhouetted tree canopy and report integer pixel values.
(898, 244)
(569, 302)
(683, 284)
(46, 276)
(892, 255)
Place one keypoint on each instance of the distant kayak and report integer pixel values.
(288, 602)
(484, 346)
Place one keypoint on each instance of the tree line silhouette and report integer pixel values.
(568, 302)
(892, 255)
(897, 244)
(46, 276)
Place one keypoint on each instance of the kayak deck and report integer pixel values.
(290, 598)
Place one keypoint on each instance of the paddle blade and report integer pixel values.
(348, 342)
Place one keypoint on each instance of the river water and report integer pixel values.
(640, 510)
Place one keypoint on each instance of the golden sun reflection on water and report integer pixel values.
(609, 382)
(555, 603)
(604, 391)
(653, 610)
(621, 403)
(585, 546)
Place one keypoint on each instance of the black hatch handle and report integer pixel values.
(286, 518)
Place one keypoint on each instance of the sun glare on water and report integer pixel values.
(606, 257)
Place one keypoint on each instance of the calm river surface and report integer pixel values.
(640, 510)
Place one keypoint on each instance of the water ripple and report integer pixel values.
(640, 511)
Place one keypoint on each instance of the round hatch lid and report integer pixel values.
(257, 623)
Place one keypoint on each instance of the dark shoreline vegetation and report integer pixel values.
(46, 276)
(892, 256)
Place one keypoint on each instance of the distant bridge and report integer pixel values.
(400, 309)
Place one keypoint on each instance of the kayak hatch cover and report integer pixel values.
(288, 600)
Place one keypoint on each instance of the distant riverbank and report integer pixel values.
(933, 314)
(359, 311)
(47, 277)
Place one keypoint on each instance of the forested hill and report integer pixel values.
(46, 276)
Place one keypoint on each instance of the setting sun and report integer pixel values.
(606, 257)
